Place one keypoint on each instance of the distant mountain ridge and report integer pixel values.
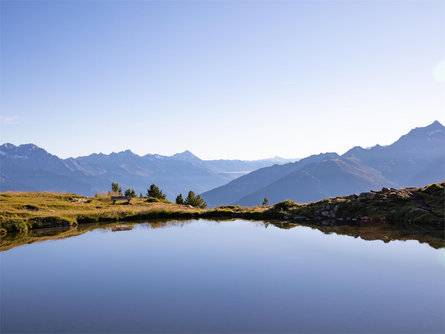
(30, 168)
(416, 159)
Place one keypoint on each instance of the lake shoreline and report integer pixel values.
(422, 207)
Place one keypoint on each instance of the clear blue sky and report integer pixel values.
(223, 79)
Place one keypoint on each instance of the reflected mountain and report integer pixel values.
(366, 231)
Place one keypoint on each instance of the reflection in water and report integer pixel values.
(386, 233)
(224, 277)
(366, 231)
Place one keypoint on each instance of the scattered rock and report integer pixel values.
(325, 213)
(80, 200)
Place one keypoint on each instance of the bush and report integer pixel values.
(153, 200)
(285, 205)
(433, 189)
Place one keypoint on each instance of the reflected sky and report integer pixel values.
(225, 277)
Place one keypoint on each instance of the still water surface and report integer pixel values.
(225, 277)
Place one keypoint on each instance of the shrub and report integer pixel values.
(153, 200)
(31, 207)
(285, 205)
(433, 189)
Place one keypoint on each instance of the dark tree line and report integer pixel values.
(130, 192)
(192, 199)
(155, 192)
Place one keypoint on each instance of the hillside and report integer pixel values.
(416, 158)
(323, 179)
(257, 180)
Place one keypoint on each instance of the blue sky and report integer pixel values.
(224, 79)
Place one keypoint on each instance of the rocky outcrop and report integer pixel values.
(414, 205)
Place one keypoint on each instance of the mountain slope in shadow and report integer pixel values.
(417, 158)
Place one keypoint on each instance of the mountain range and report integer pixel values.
(30, 168)
(416, 159)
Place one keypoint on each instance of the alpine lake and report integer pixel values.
(235, 276)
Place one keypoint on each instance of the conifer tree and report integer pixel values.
(130, 192)
(155, 192)
(115, 188)
(195, 201)
(179, 199)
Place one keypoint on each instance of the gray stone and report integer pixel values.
(366, 195)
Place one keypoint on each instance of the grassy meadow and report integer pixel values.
(21, 211)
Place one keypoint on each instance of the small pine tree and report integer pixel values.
(195, 201)
(115, 188)
(155, 192)
(140, 195)
(190, 200)
(179, 199)
(200, 202)
(265, 202)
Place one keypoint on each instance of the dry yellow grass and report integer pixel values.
(22, 210)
